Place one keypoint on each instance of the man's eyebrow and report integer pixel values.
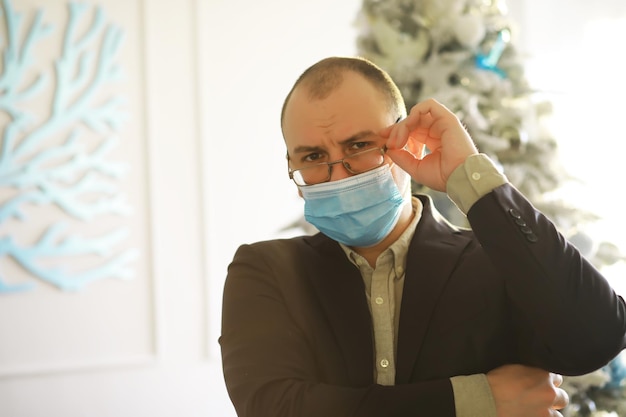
(357, 137)
(354, 138)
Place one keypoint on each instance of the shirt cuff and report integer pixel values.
(472, 396)
(473, 179)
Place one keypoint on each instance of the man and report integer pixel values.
(391, 310)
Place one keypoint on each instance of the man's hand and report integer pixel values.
(429, 126)
(521, 391)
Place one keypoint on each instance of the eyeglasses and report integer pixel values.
(357, 163)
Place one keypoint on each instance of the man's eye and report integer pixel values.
(313, 157)
(361, 146)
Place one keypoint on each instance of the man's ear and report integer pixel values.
(300, 193)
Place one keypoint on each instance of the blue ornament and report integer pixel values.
(490, 60)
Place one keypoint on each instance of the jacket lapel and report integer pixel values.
(433, 254)
(341, 292)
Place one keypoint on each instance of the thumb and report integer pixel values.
(405, 159)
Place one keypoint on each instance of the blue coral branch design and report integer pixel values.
(78, 175)
(29, 257)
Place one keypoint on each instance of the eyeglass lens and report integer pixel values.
(356, 164)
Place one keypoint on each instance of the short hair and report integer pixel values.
(325, 76)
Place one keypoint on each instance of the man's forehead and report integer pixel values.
(341, 104)
(348, 111)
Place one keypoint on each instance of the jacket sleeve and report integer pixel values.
(570, 319)
(270, 368)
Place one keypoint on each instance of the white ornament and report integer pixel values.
(395, 44)
(437, 9)
(469, 30)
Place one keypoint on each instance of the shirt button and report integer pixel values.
(384, 363)
(526, 230)
(531, 237)
(379, 300)
(476, 176)
(520, 222)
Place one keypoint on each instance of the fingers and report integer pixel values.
(432, 116)
(430, 126)
(406, 159)
(398, 136)
(429, 122)
(433, 107)
(561, 399)
(417, 126)
(526, 391)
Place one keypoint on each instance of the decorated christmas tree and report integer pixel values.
(462, 53)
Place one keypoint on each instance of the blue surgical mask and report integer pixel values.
(357, 211)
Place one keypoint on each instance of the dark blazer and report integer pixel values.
(297, 334)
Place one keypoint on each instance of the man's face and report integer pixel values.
(329, 129)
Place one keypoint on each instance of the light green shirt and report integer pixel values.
(384, 283)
